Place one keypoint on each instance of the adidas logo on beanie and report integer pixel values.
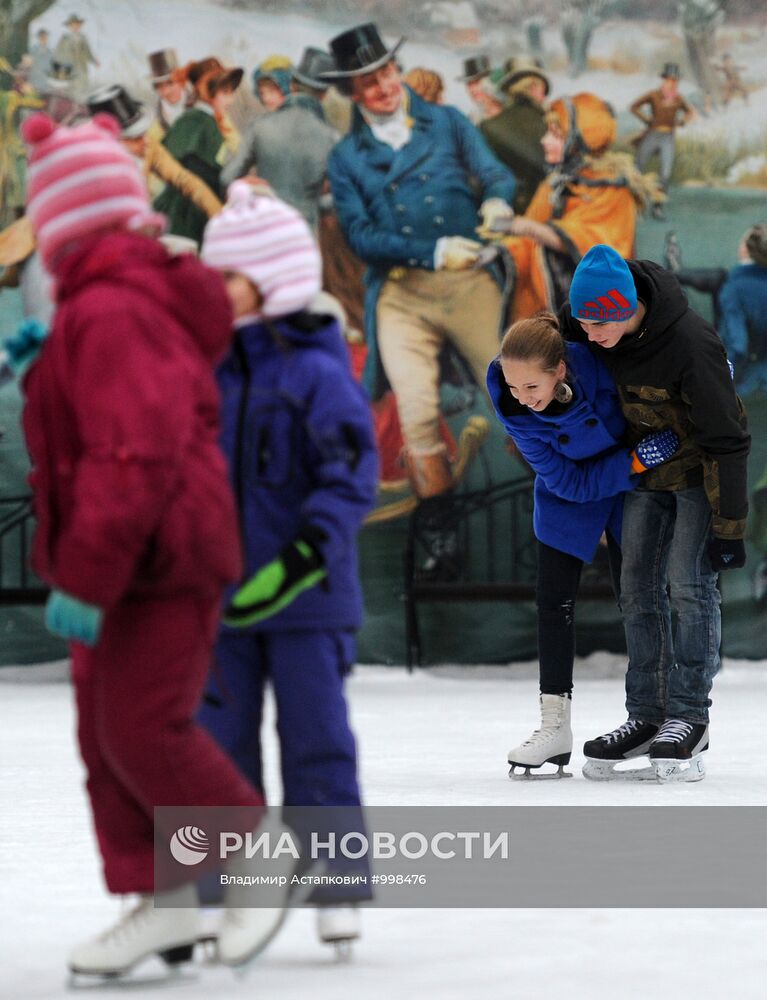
(603, 288)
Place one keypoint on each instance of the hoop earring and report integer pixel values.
(563, 393)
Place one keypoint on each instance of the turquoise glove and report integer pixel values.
(73, 619)
(24, 346)
(276, 585)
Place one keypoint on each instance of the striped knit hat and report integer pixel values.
(81, 180)
(270, 243)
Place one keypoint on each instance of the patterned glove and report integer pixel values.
(726, 553)
(298, 567)
(73, 619)
(654, 450)
(24, 346)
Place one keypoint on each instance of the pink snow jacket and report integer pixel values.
(122, 421)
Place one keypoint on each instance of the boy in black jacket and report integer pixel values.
(685, 522)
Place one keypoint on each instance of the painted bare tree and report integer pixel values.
(700, 19)
(578, 22)
(15, 18)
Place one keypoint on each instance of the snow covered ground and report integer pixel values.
(433, 738)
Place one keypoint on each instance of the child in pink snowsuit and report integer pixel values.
(136, 524)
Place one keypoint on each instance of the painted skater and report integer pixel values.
(560, 405)
(667, 111)
(302, 459)
(686, 520)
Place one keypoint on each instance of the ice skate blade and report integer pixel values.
(526, 772)
(342, 949)
(606, 770)
(128, 979)
(242, 964)
(669, 769)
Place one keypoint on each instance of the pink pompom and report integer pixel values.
(239, 192)
(107, 123)
(37, 127)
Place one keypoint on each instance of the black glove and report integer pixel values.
(726, 553)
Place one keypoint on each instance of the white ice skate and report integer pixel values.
(246, 929)
(169, 931)
(676, 753)
(551, 744)
(339, 926)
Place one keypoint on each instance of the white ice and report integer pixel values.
(438, 737)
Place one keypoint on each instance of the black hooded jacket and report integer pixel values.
(673, 373)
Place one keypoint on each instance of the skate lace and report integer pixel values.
(627, 729)
(542, 736)
(673, 731)
(128, 922)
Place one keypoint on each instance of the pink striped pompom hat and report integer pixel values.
(81, 180)
(270, 243)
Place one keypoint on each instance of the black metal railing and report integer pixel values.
(492, 532)
(18, 584)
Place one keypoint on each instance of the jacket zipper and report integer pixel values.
(242, 409)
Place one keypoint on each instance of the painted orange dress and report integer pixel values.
(593, 196)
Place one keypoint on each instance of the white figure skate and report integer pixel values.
(340, 926)
(170, 931)
(551, 744)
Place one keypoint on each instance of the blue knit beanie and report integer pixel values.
(603, 288)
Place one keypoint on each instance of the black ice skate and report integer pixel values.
(676, 752)
(628, 741)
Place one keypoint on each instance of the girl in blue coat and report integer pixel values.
(560, 405)
(298, 436)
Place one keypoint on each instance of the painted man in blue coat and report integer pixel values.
(403, 181)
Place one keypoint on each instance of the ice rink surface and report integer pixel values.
(438, 737)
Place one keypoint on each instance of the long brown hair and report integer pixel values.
(537, 339)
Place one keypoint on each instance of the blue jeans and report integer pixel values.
(666, 569)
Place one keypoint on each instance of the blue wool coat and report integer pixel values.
(393, 205)
(297, 431)
(582, 469)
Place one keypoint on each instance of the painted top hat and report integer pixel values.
(670, 71)
(313, 63)
(521, 66)
(162, 65)
(116, 101)
(358, 51)
(74, 19)
(474, 68)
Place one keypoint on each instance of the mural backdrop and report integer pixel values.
(674, 124)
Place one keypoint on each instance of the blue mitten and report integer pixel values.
(73, 619)
(24, 346)
(654, 450)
